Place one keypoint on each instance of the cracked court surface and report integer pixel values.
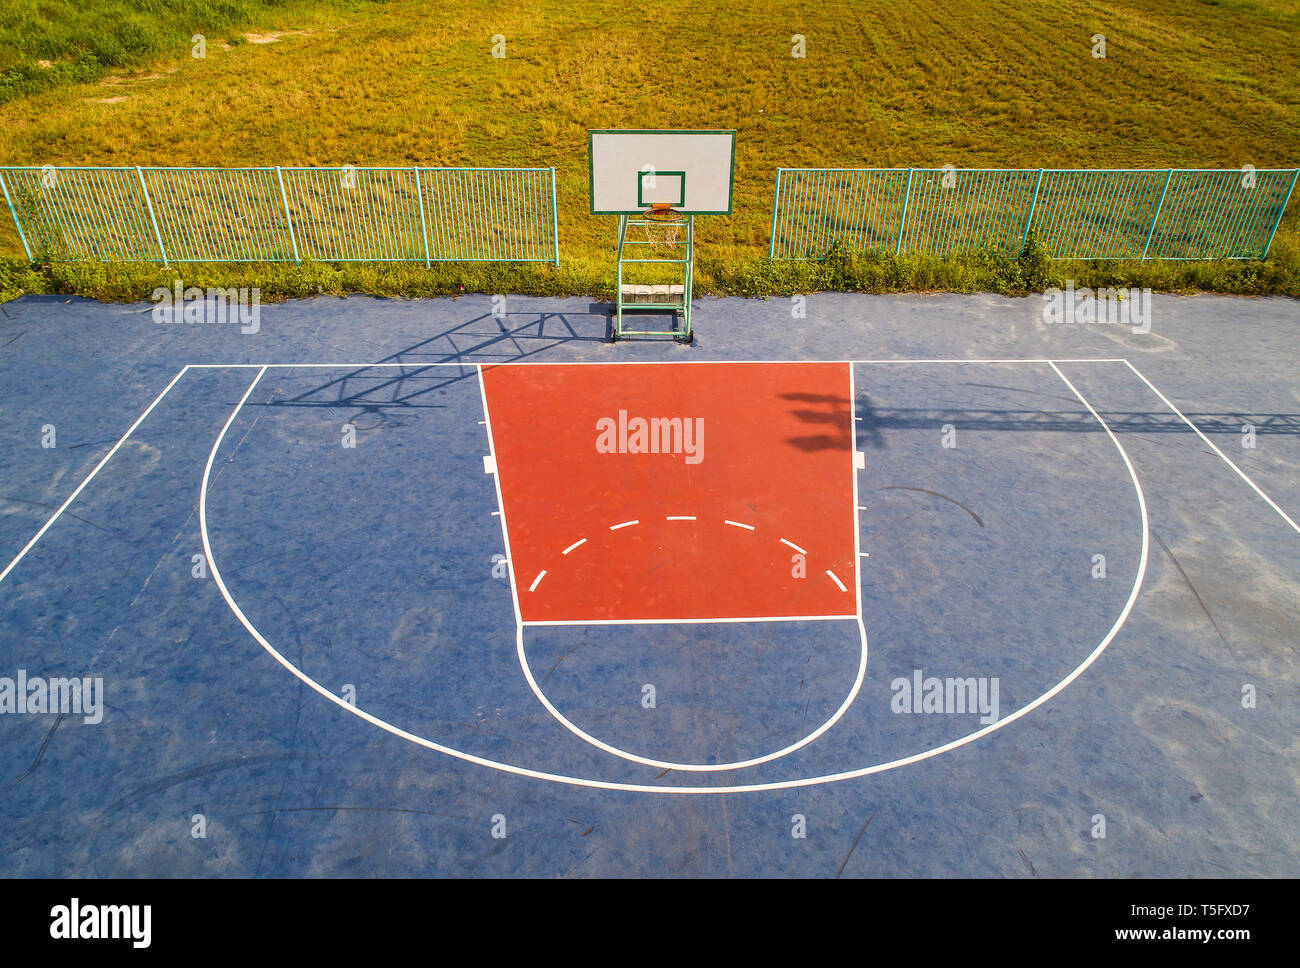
(372, 670)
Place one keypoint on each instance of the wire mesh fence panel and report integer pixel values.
(219, 215)
(490, 214)
(1220, 214)
(1097, 214)
(345, 214)
(951, 210)
(355, 214)
(816, 210)
(1076, 214)
(81, 213)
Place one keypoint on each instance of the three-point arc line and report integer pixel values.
(685, 517)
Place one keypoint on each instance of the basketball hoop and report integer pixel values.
(656, 182)
(668, 222)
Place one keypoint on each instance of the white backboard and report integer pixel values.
(633, 168)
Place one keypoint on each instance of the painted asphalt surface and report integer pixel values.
(370, 570)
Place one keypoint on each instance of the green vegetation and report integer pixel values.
(1003, 83)
(48, 43)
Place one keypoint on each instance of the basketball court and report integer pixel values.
(503, 586)
(651, 609)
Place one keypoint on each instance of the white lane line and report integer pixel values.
(1240, 473)
(858, 456)
(681, 517)
(838, 584)
(579, 542)
(793, 545)
(90, 477)
(863, 554)
(737, 524)
(538, 580)
(625, 524)
(501, 501)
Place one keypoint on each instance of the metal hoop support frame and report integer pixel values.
(658, 227)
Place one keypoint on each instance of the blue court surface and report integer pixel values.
(269, 600)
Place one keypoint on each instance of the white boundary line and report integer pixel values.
(90, 477)
(417, 365)
(688, 790)
(1240, 473)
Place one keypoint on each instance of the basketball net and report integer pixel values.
(666, 230)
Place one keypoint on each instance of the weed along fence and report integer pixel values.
(1076, 214)
(284, 214)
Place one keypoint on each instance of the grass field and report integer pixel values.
(1014, 84)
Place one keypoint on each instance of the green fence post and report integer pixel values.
(1155, 218)
(149, 204)
(776, 195)
(424, 231)
(902, 219)
(1276, 222)
(22, 236)
(1033, 203)
(555, 220)
(288, 219)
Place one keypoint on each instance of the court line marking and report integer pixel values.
(612, 785)
(692, 767)
(467, 366)
(702, 790)
(501, 504)
(89, 477)
(792, 545)
(577, 544)
(526, 668)
(625, 524)
(1240, 473)
(681, 517)
(537, 581)
(691, 621)
(857, 522)
(848, 701)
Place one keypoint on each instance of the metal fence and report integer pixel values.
(1077, 214)
(284, 214)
